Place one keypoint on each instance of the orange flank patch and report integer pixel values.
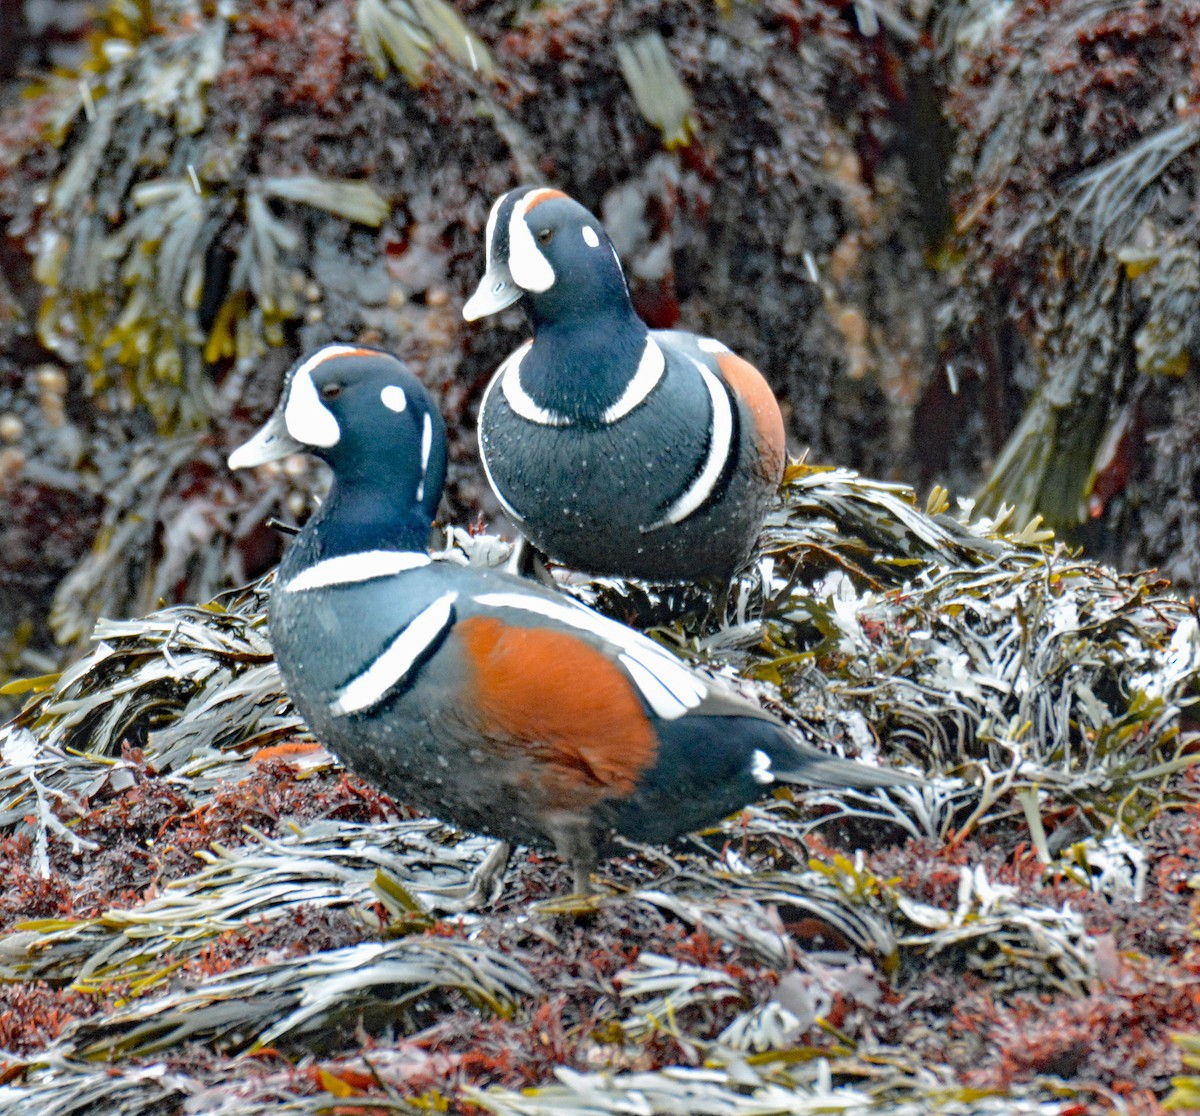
(558, 699)
(538, 196)
(301, 753)
(749, 386)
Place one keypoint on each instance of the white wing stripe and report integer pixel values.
(720, 442)
(649, 372)
(392, 667)
(661, 700)
(349, 569)
(669, 687)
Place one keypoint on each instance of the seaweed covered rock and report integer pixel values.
(192, 880)
(1076, 265)
(224, 184)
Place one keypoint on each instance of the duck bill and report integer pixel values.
(271, 443)
(495, 292)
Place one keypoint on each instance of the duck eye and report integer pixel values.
(331, 390)
(545, 236)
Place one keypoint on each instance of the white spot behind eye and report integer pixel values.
(590, 238)
(394, 399)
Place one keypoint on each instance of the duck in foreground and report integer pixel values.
(616, 449)
(491, 702)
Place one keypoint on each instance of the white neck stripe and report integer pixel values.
(426, 446)
(351, 569)
(518, 398)
(649, 372)
(720, 442)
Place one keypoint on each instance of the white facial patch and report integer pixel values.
(669, 687)
(308, 420)
(394, 399)
(393, 665)
(531, 271)
(760, 768)
(590, 238)
(720, 442)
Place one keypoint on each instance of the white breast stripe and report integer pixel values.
(392, 667)
(649, 372)
(350, 569)
(426, 446)
(487, 394)
(308, 420)
(518, 398)
(720, 441)
(709, 345)
(668, 686)
(526, 264)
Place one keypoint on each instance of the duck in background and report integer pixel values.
(615, 448)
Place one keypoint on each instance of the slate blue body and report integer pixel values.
(594, 490)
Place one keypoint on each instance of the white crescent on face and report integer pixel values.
(308, 420)
(531, 271)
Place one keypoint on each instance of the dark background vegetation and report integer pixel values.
(959, 238)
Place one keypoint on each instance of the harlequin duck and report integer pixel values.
(488, 700)
(616, 449)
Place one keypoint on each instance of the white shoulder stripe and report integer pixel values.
(720, 442)
(649, 372)
(350, 569)
(391, 668)
(711, 345)
(518, 398)
(669, 687)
